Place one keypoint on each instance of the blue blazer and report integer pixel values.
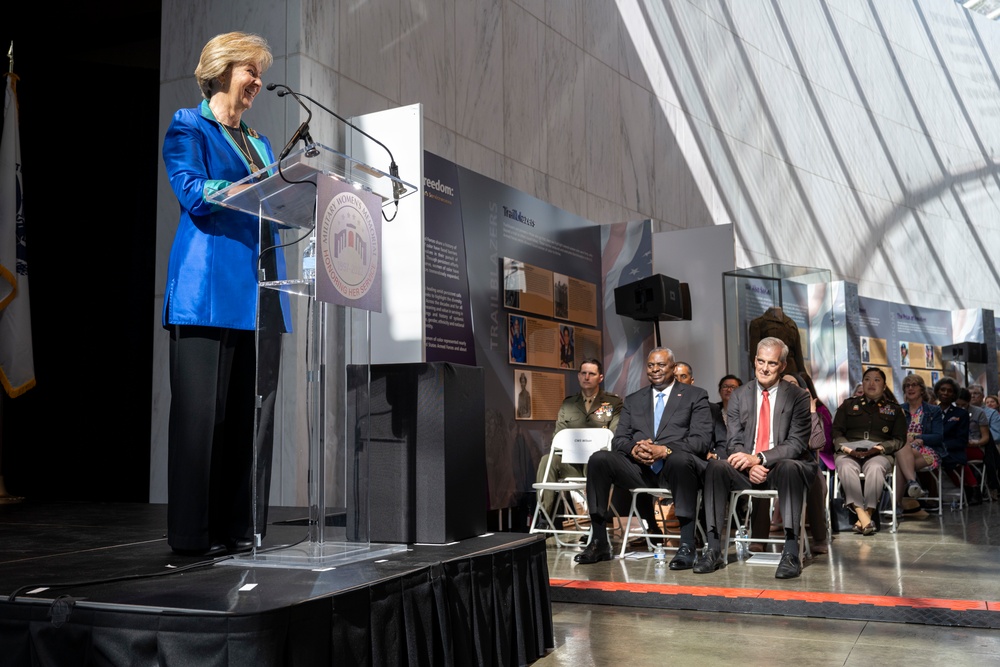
(956, 435)
(932, 424)
(212, 273)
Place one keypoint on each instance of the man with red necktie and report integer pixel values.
(768, 445)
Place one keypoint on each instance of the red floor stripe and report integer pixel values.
(839, 598)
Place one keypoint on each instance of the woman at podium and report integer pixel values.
(210, 309)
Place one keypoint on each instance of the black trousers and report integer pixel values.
(788, 477)
(216, 434)
(607, 469)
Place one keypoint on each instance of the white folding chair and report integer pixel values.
(939, 477)
(889, 484)
(980, 466)
(659, 494)
(772, 497)
(960, 470)
(574, 446)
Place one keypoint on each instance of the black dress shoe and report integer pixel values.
(594, 553)
(237, 546)
(710, 561)
(211, 552)
(789, 566)
(684, 558)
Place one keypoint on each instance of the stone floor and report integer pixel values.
(936, 560)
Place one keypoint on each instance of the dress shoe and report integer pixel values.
(594, 553)
(239, 545)
(710, 561)
(930, 506)
(684, 558)
(789, 566)
(213, 551)
(820, 547)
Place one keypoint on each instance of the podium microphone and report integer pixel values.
(303, 130)
(398, 189)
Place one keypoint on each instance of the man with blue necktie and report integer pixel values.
(664, 433)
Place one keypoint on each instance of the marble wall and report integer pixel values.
(860, 137)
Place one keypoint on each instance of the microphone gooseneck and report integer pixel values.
(398, 189)
(303, 130)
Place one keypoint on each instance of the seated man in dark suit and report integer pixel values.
(591, 407)
(769, 424)
(663, 436)
(683, 372)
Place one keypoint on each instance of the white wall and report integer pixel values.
(698, 257)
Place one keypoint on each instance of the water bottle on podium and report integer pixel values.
(309, 260)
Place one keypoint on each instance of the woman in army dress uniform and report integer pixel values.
(867, 430)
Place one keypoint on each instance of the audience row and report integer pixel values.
(773, 433)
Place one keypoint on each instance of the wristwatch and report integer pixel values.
(760, 457)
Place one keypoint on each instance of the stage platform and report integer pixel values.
(97, 584)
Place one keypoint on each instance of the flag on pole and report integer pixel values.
(17, 366)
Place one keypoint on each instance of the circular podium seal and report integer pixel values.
(351, 251)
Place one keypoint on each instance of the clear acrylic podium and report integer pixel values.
(322, 408)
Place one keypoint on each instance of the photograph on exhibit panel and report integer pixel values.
(873, 351)
(518, 339)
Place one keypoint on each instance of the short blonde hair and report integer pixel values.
(228, 49)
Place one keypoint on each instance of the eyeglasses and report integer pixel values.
(729, 387)
(907, 385)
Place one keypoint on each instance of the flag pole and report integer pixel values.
(4, 496)
(3, 489)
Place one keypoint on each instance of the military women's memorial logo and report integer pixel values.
(350, 244)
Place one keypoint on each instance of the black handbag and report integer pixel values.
(842, 519)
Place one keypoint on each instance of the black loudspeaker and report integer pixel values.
(422, 459)
(657, 297)
(974, 353)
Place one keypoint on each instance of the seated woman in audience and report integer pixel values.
(820, 439)
(992, 401)
(975, 449)
(955, 437)
(924, 431)
(867, 431)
